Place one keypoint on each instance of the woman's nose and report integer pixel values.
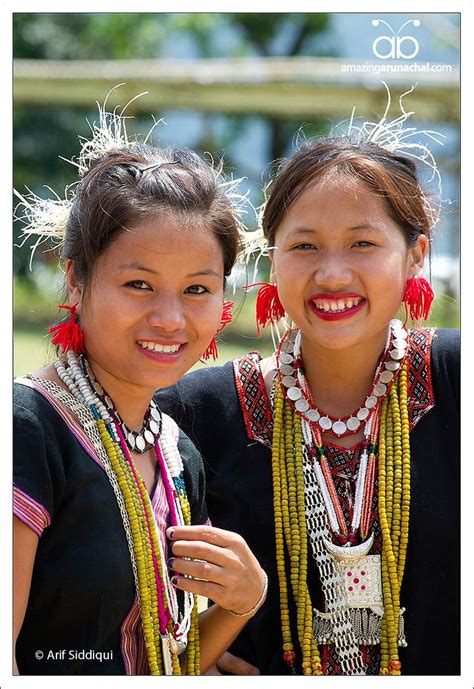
(167, 314)
(333, 273)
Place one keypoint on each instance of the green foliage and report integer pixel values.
(40, 134)
(85, 36)
(281, 33)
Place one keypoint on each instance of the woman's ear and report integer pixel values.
(417, 254)
(74, 286)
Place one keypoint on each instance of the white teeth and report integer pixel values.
(156, 347)
(338, 305)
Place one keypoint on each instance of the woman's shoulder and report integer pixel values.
(440, 345)
(29, 402)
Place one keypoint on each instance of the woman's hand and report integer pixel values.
(221, 566)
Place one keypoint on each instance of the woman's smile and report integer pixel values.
(336, 306)
(341, 264)
(153, 306)
(162, 353)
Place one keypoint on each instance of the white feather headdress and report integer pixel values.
(392, 135)
(46, 219)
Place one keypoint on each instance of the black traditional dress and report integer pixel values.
(83, 615)
(226, 412)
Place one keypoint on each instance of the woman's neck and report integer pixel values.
(340, 380)
(131, 401)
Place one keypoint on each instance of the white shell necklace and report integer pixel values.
(137, 441)
(297, 391)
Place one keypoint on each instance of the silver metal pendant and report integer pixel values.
(348, 553)
(177, 646)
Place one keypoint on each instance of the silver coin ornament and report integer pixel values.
(363, 413)
(386, 377)
(302, 405)
(398, 345)
(131, 440)
(339, 427)
(313, 415)
(294, 394)
(370, 402)
(380, 389)
(285, 358)
(288, 381)
(353, 423)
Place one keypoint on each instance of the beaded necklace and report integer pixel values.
(301, 510)
(291, 377)
(167, 630)
(137, 441)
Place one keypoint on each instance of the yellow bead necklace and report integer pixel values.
(291, 534)
(154, 590)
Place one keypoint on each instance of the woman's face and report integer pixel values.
(341, 263)
(153, 303)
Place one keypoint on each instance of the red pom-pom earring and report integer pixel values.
(68, 334)
(268, 305)
(418, 298)
(226, 318)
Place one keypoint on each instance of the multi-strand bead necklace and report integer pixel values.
(167, 630)
(297, 446)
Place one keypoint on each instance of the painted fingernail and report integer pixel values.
(169, 533)
(170, 562)
(174, 580)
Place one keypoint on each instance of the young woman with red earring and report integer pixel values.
(112, 542)
(345, 443)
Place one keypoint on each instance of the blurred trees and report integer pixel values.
(41, 134)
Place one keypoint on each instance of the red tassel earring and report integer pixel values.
(268, 305)
(418, 298)
(68, 334)
(226, 318)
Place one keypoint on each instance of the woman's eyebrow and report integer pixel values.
(364, 226)
(139, 266)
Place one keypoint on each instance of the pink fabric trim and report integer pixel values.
(29, 511)
(132, 643)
